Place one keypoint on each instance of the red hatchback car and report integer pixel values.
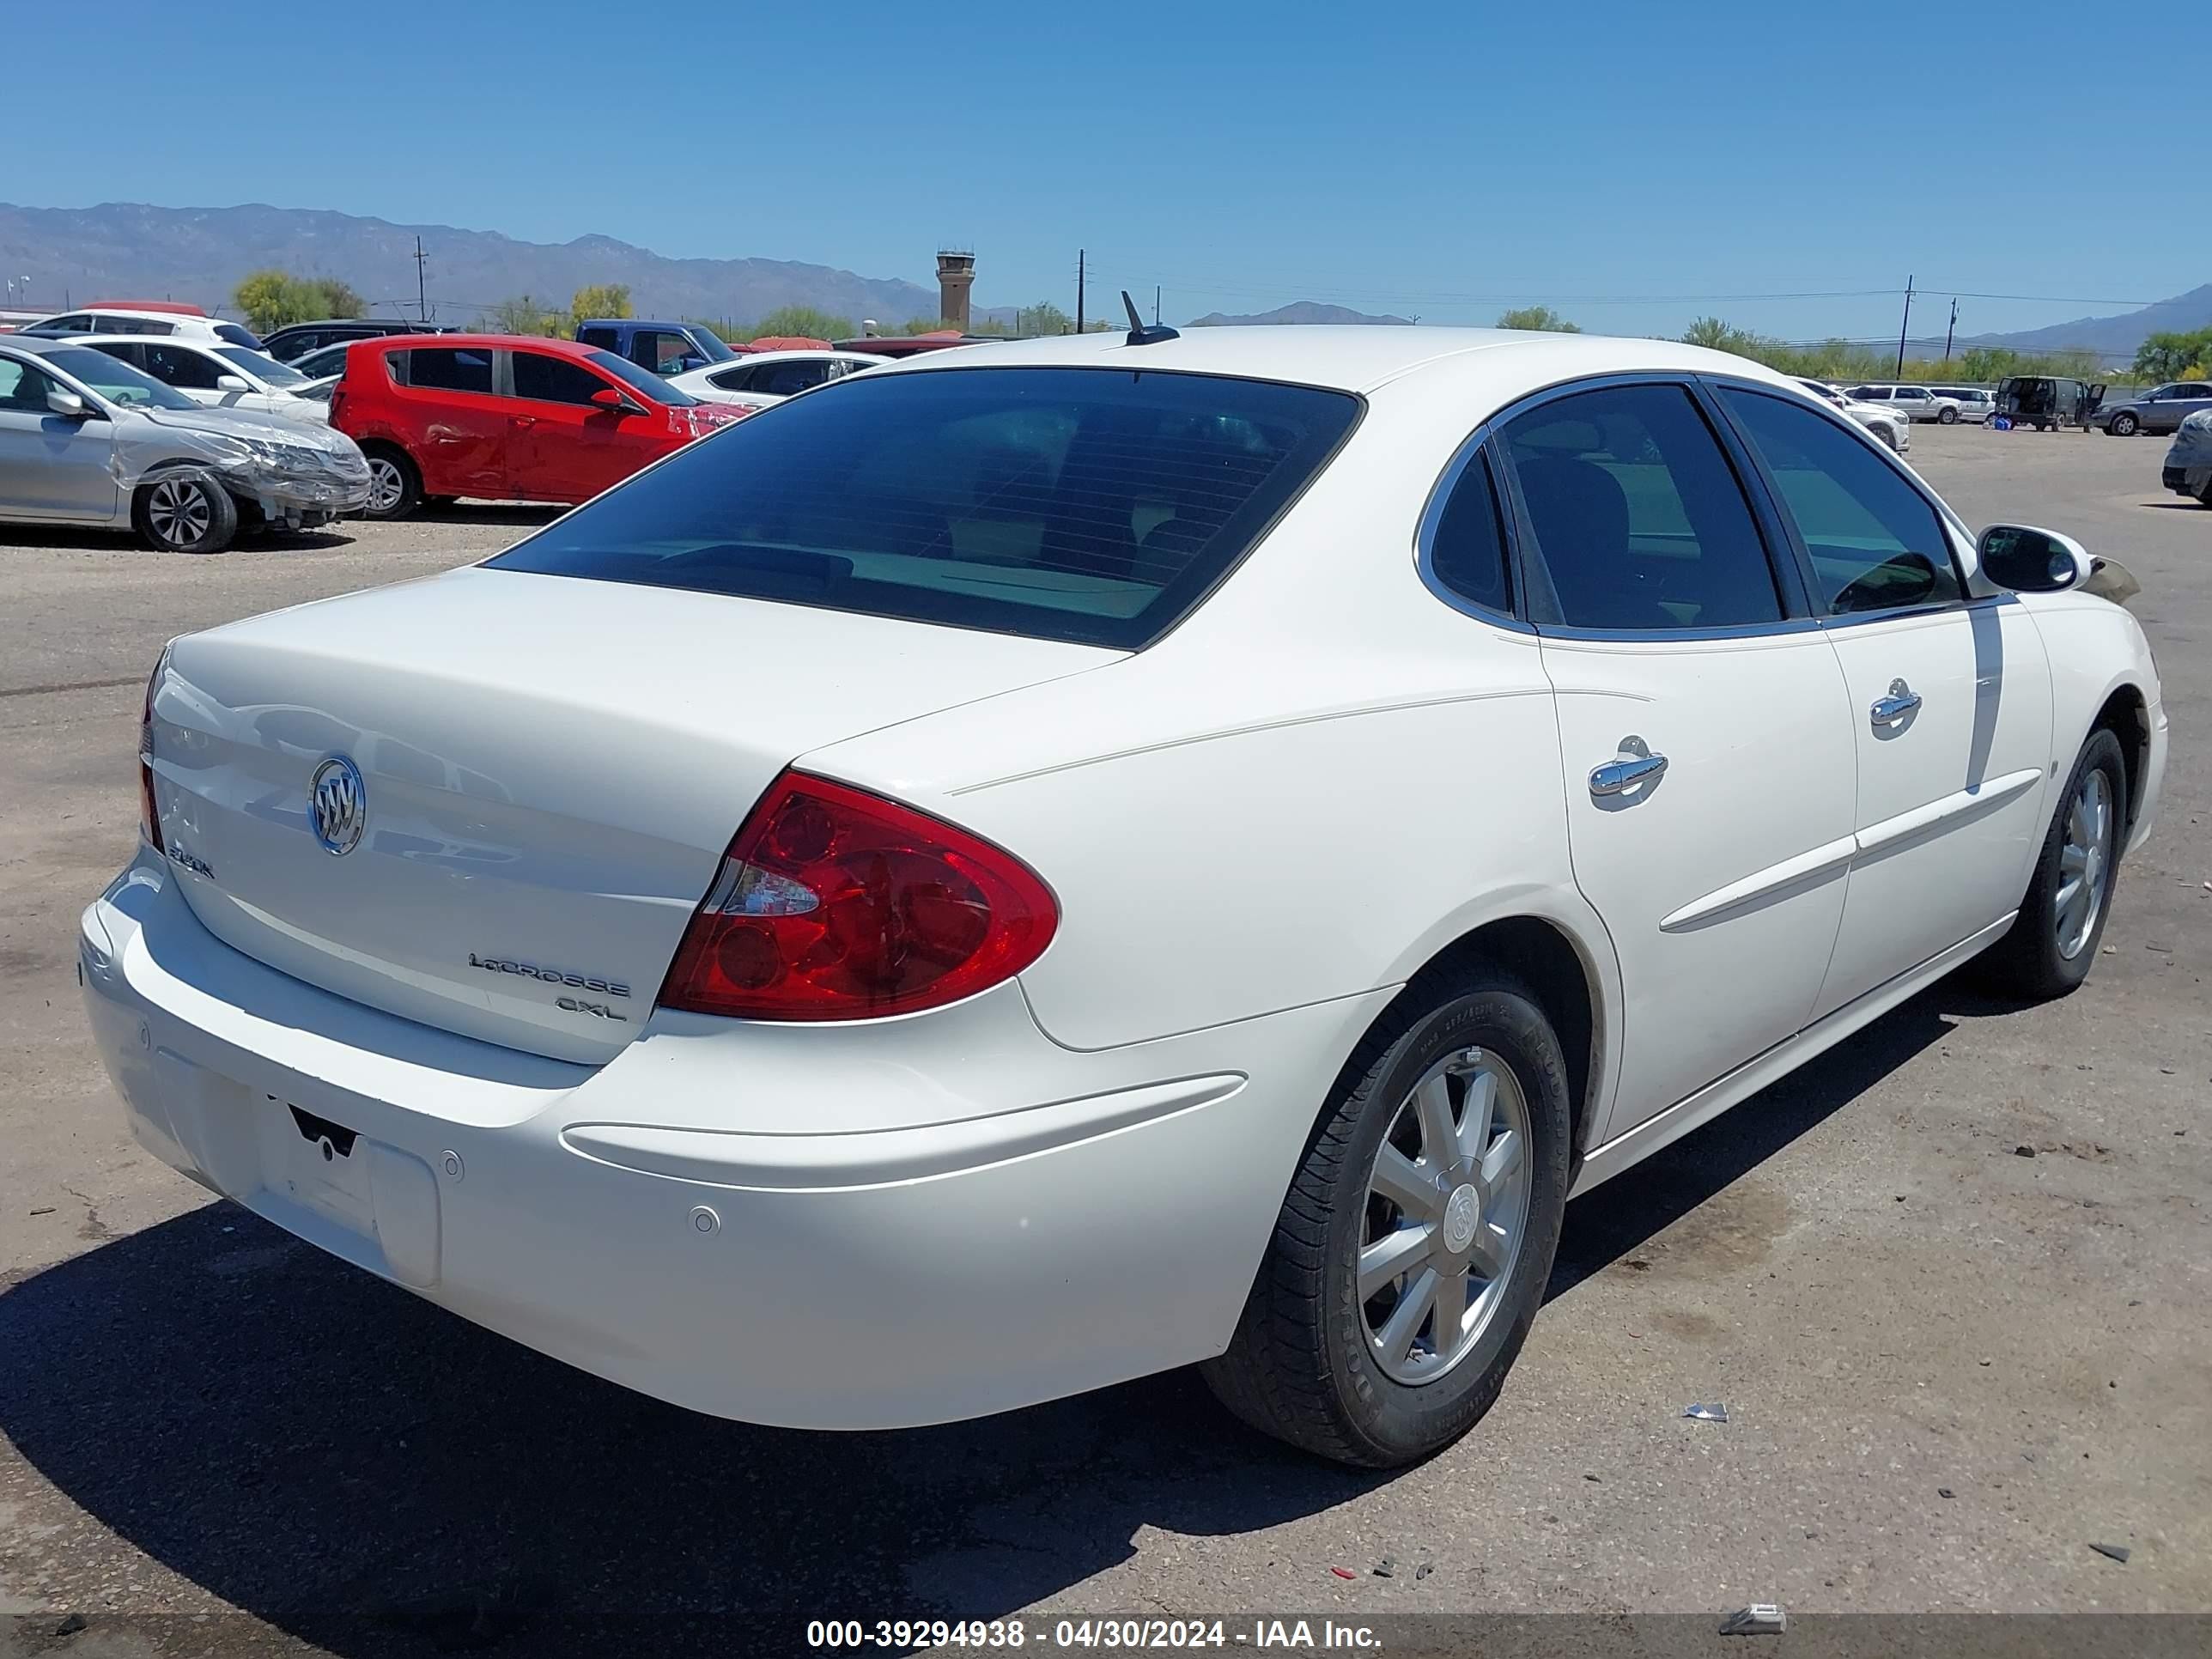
(506, 417)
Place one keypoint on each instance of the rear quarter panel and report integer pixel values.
(1315, 783)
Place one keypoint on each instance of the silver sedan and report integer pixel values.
(88, 440)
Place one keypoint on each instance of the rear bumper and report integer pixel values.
(998, 1220)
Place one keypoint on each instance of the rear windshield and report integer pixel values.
(1091, 505)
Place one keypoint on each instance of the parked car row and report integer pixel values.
(1947, 405)
(87, 438)
(508, 417)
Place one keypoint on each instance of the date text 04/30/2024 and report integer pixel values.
(1068, 1634)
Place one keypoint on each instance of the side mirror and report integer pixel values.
(615, 402)
(231, 383)
(2029, 561)
(68, 405)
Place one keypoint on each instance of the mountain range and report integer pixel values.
(2116, 335)
(1298, 311)
(2113, 338)
(126, 250)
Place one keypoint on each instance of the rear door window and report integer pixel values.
(1639, 521)
(1875, 542)
(181, 367)
(449, 368)
(606, 339)
(1466, 551)
(1090, 505)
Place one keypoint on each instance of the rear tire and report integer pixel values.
(184, 509)
(2124, 425)
(395, 485)
(1346, 1376)
(2053, 945)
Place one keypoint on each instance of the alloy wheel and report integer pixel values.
(2084, 859)
(1446, 1214)
(386, 484)
(179, 512)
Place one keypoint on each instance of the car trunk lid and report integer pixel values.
(548, 770)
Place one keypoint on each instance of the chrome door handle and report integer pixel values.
(1901, 701)
(1633, 765)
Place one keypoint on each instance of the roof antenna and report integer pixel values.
(1141, 332)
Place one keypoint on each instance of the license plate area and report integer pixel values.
(318, 1164)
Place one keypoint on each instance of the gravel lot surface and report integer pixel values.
(1950, 1368)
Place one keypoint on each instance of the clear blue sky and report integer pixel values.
(1421, 157)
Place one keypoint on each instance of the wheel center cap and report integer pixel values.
(1462, 1211)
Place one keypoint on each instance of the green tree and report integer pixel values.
(601, 300)
(1042, 318)
(338, 299)
(807, 322)
(2172, 355)
(1716, 336)
(523, 315)
(1540, 318)
(271, 298)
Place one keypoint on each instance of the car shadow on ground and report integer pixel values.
(372, 1475)
(530, 513)
(124, 541)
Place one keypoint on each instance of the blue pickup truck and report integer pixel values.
(663, 347)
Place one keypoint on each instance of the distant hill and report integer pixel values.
(129, 251)
(2115, 336)
(1298, 311)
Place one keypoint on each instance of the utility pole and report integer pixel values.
(1156, 304)
(1949, 331)
(1903, 326)
(421, 305)
(1078, 290)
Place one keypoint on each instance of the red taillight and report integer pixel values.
(149, 815)
(836, 904)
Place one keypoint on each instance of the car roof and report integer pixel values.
(745, 359)
(631, 322)
(195, 342)
(400, 324)
(171, 317)
(463, 341)
(1358, 358)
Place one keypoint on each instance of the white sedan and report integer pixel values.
(218, 375)
(762, 378)
(1895, 430)
(1073, 858)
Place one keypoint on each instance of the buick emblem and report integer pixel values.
(338, 806)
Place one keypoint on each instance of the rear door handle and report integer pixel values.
(1902, 700)
(1635, 764)
(524, 420)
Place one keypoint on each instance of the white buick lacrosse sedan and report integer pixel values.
(1052, 861)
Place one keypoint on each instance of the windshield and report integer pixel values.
(265, 368)
(644, 379)
(115, 380)
(711, 345)
(1090, 505)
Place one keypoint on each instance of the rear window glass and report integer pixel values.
(445, 368)
(1090, 505)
